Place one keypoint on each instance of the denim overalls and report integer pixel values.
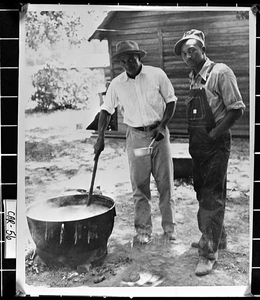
(210, 160)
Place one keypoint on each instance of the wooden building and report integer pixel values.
(227, 41)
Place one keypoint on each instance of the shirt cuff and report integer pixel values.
(236, 105)
(171, 99)
(108, 109)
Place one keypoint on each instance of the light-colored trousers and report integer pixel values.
(160, 165)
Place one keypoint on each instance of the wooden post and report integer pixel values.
(160, 45)
(112, 75)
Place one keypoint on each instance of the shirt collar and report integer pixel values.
(203, 71)
(125, 77)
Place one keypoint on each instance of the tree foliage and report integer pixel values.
(61, 88)
(51, 27)
(53, 40)
(240, 15)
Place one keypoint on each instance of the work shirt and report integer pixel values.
(221, 88)
(142, 100)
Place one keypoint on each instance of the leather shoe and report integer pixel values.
(205, 266)
(222, 244)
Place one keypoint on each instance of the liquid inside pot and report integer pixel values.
(51, 213)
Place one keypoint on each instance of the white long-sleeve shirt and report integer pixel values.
(142, 100)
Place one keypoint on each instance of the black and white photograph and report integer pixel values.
(135, 150)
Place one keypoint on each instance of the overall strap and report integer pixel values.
(209, 70)
(198, 110)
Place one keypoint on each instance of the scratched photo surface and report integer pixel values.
(73, 247)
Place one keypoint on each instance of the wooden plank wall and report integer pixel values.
(227, 41)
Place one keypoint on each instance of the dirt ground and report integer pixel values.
(59, 156)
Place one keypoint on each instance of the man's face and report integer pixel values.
(192, 53)
(131, 63)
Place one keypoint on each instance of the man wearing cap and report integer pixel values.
(213, 106)
(147, 101)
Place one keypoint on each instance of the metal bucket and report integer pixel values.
(145, 150)
(74, 242)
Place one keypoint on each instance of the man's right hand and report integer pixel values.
(103, 121)
(99, 147)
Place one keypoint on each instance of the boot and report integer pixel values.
(205, 266)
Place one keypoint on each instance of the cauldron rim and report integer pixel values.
(40, 202)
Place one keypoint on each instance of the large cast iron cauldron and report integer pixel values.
(74, 242)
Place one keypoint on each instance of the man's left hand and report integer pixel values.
(158, 133)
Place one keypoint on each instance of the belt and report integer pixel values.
(147, 128)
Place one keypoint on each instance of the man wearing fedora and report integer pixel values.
(212, 107)
(147, 101)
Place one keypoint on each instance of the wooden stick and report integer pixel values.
(92, 182)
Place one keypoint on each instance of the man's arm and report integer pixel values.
(227, 122)
(228, 89)
(158, 133)
(104, 119)
(168, 113)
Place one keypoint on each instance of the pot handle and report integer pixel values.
(152, 142)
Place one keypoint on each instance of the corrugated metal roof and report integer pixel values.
(100, 32)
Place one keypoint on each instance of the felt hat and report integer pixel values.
(126, 47)
(191, 34)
